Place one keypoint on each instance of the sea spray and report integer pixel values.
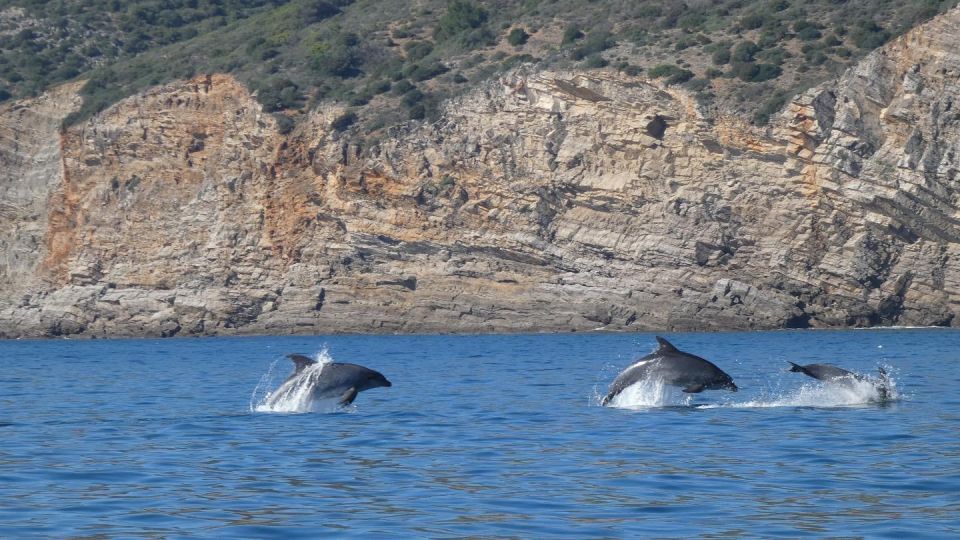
(828, 394)
(653, 393)
(294, 395)
(649, 393)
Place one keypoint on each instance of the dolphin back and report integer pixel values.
(823, 372)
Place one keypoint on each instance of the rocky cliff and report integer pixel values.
(541, 201)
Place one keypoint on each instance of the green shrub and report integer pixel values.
(596, 61)
(517, 37)
(721, 56)
(595, 43)
(462, 17)
(417, 112)
(413, 97)
(517, 59)
(773, 104)
(684, 42)
(832, 40)
(402, 87)
(750, 72)
(745, 71)
(662, 70)
(314, 11)
(379, 87)
(423, 72)
(285, 124)
(341, 58)
(647, 11)
(691, 21)
(671, 14)
(779, 5)
(744, 52)
(697, 84)
(809, 34)
(360, 99)
(752, 21)
(417, 50)
(636, 34)
(774, 56)
(766, 72)
(815, 57)
(279, 94)
(571, 34)
(673, 73)
(869, 35)
(401, 33)
(771, 35)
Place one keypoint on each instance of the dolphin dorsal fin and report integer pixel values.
(301, 362)
(665, 346)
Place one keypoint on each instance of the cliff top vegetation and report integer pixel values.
(391, 61)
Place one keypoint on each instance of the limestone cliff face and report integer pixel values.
(541, 201)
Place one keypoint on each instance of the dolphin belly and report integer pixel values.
(639, 371)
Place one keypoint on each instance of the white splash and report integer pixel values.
(846, 393)
(649, 393)
(293, 395)
(653, 393)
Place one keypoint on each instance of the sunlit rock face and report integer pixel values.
(539, 201)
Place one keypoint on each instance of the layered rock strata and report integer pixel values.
(541, 201)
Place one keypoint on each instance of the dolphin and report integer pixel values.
(332, 380)
(831, 373)
(674, 367)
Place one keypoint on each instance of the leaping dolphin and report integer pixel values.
(831, 373)
(333, 380)
(674, 367)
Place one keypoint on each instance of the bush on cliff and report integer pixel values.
(337, 50)
(464, 22)
(673, 73)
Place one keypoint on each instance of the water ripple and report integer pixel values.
(141, 441)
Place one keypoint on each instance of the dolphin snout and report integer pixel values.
(387, 383)
(732, 387)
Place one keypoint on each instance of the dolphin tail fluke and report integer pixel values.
(883, 385)
(349, 396)
(300, 362)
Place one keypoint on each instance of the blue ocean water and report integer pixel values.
(487, 436)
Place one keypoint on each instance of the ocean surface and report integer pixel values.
(479, 436)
